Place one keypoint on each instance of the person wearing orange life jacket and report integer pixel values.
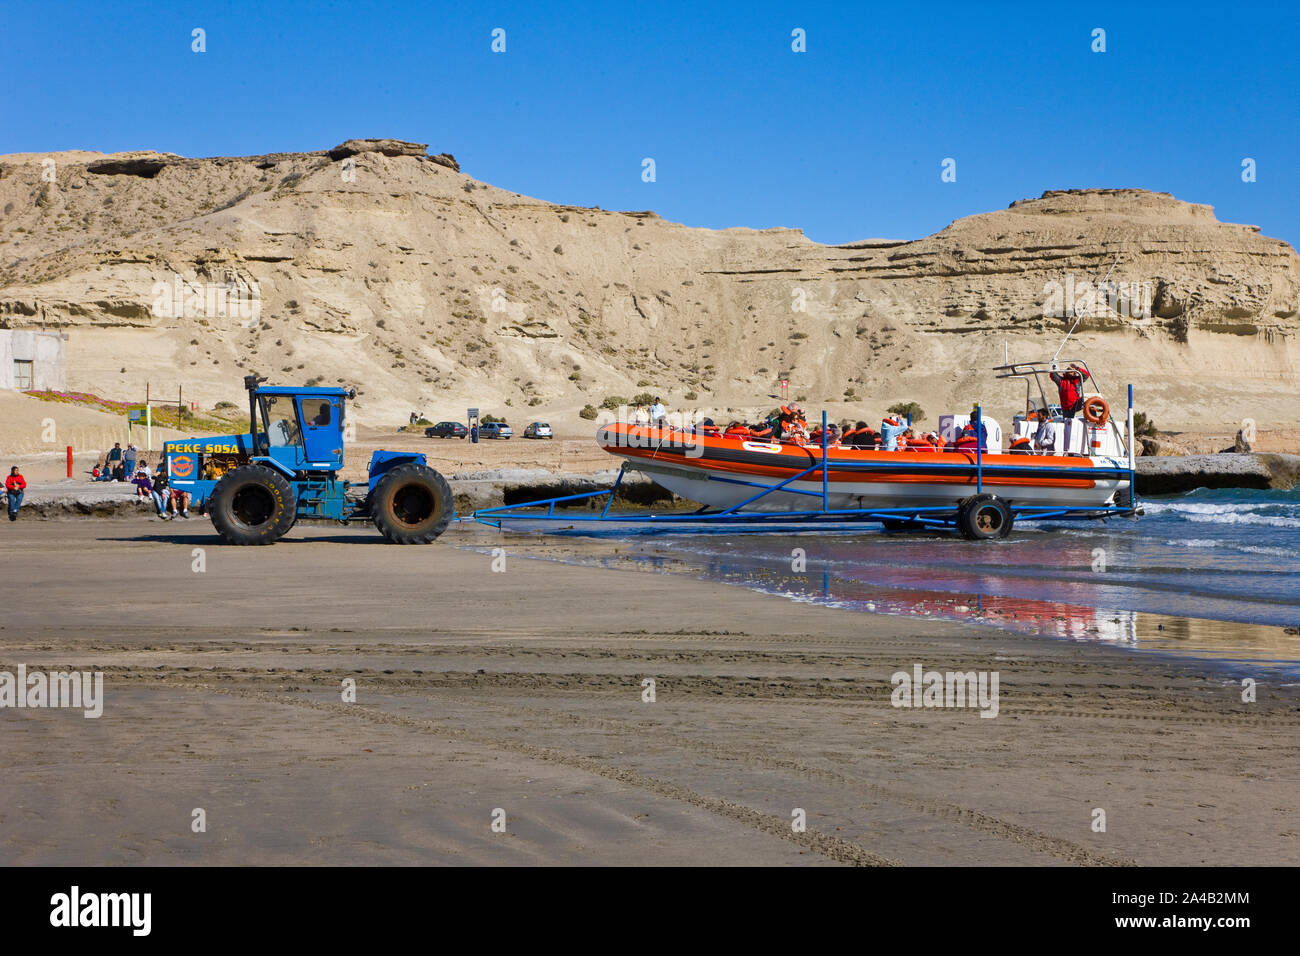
(865, 436)
(737, 430)
(922, 443)
(761, 432)
(890, 430)
(787, 417)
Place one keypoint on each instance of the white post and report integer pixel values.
(148, 427)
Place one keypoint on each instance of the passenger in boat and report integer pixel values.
(890, 431)
(737, 430)
(761, 432)
(707, 427)
(935, 440)
(1070, 385)
(865, 436)
(790, 417)
(967, 441)
(1021, 446)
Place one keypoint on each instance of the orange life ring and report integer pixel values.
(1096, 411)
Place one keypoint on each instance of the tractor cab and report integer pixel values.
(300, 429)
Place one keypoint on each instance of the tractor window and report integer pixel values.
(281, 420)
(318, 413)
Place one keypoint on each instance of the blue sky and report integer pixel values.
(844, 141)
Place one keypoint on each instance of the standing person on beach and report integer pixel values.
(128, 461)
(113, 458)
(15, 485)
(473, 433)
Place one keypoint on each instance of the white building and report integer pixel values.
(32, 360)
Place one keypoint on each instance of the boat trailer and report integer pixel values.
(821, 515)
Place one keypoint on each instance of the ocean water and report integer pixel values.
(1210, 574)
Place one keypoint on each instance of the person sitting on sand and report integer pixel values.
(160, 493)
(143, 485)
(15, 487)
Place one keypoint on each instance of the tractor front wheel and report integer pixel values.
(411, 504)
(253, 504)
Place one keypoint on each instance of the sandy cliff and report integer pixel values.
(377, 265)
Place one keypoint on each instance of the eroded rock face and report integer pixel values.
(400, 275)
(389, 147)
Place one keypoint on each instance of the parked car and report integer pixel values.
(446, 430)
(495, 430)
(538, 430)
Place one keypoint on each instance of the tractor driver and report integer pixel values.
(322, 415)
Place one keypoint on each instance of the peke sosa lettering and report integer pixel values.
(102, 909)
(953, 689)
(76, 689)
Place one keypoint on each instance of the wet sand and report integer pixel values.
(521, 691)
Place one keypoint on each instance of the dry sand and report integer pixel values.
(522, 691)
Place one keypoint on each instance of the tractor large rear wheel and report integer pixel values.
(411, 504)
(253, 504)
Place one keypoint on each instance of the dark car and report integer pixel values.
(446, 430)
(495, 430)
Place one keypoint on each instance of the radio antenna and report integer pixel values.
(1079, 318)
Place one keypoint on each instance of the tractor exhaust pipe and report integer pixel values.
(251, 382)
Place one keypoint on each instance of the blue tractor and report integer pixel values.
(256, 486)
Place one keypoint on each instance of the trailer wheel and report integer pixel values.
(411, 504)
(984, 517)
(253, 504)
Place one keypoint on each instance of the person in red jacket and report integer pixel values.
(1070, 384)
(15, 485)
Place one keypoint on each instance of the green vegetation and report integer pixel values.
(613, 401)
(1144, 427)
(908, 410)
(588, 412)
(691, 396)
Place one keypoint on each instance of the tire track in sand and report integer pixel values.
(969, 817)
(833, 848)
